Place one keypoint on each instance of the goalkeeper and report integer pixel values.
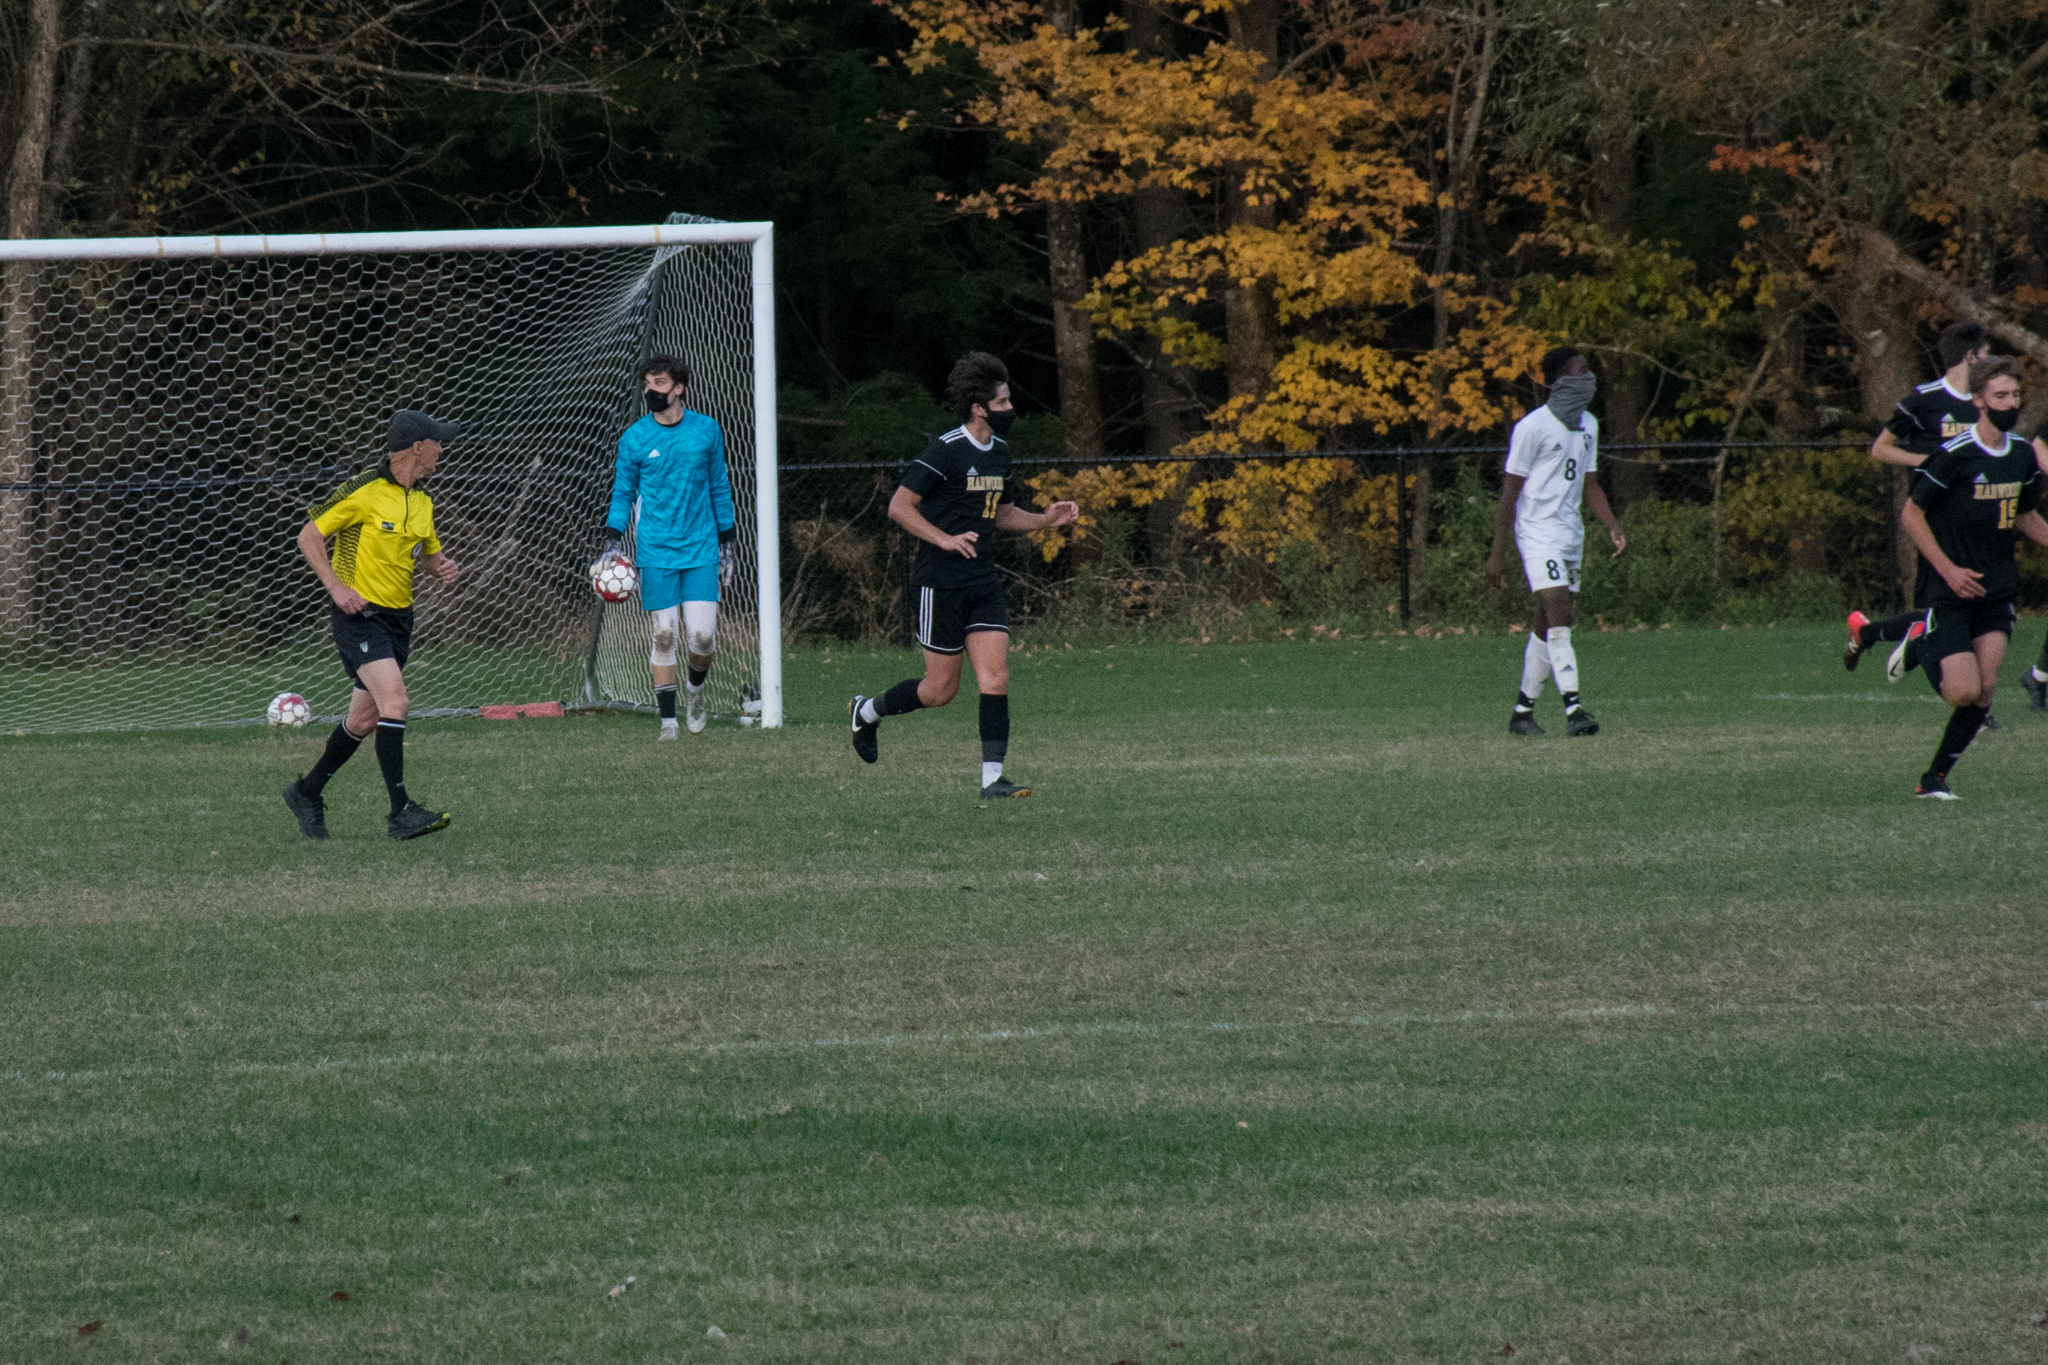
(671, 476)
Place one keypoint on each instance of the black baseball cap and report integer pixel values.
(408, 426)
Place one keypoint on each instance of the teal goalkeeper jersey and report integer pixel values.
(674, 479)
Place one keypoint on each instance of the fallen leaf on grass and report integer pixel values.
(294, 1219)
(619, 1289)
(89, 1329)
(1242, 1124)
(714, 1333)
(338, 1296)
(1507, 1349)
(1918, 1352)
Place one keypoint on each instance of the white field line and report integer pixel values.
(330, 1065)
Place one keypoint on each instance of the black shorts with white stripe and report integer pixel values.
(947, 616)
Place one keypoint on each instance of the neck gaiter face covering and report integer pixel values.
(1569, 396)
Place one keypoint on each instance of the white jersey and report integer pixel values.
(1555, 461)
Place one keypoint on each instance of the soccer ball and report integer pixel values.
(614, 578)
(288, 708)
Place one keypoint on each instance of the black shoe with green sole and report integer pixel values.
(416, 820)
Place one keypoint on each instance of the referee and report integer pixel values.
(382, 525)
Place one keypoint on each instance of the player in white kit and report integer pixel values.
(1552, 455)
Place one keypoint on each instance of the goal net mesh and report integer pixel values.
(166, 423)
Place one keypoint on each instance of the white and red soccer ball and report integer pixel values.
(288, 708)
(614, 578)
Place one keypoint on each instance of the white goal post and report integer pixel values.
(171, 406)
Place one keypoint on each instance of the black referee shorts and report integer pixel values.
(379, 633)
(1953, 624)
(947, 616)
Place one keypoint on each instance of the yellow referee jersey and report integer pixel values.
(380, 530)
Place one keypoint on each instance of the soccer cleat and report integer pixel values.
(1003, 787)
(310, 810)
(696, 707)
(865, 737)
(1934, 787)
(2036, 690)
(668, 728)
(1852, 653)
(1899, 664)
(1579, 721)
(1524, 723)
(1990, 722)
(416, 820)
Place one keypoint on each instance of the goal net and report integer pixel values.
(170, 408)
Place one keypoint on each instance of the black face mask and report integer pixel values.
(1001, 422)
(660, 402)
(2005, 419)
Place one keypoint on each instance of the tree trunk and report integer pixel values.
(57, 172)
(1879, 314)
(1073, 335)
(1463, 117)
(1626, 396)
(1248, 313)
(17, 321)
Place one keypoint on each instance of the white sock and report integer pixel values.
(2037, 675)
(689, 686)
(668, 722)
(1535, 667)
(1563, 662)
(869, 711)
(990, 772)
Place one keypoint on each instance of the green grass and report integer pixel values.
(1302, 1015)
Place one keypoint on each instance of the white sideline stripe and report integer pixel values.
(370, 243)
(328, 1065)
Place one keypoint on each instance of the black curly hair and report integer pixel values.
(975, 378)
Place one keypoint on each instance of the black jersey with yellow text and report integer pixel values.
(1974, 498)
(1930, 415)
(961, 484)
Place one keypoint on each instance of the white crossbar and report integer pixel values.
(374, 243)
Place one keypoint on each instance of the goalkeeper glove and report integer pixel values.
(728, 561)
(612, 541)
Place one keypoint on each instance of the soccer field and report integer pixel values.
(1302, 1015)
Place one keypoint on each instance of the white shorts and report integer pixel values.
(1551, 563)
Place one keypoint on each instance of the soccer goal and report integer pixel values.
(170, 407)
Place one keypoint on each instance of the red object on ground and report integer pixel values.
(532, 710)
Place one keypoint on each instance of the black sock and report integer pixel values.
(1571, 701)
(900, 700)
(1891, 628)
(341, 747)
(1962, 728)
(697, 676)
(391, 758)
(995, 727)
(665, 700)
(1525, 704)
(2042, 662)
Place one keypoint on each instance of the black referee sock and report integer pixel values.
(1962, 728)
(391, 758)
(901, 699)
(341, 747)
(995, 727)
(665, 700)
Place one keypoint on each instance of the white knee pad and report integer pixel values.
(700, 626)
(667, 625)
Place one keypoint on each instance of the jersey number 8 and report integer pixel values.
(1571, 470)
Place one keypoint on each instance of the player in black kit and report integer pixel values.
(1969, 506)
(1932, 413)
(954, 497)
